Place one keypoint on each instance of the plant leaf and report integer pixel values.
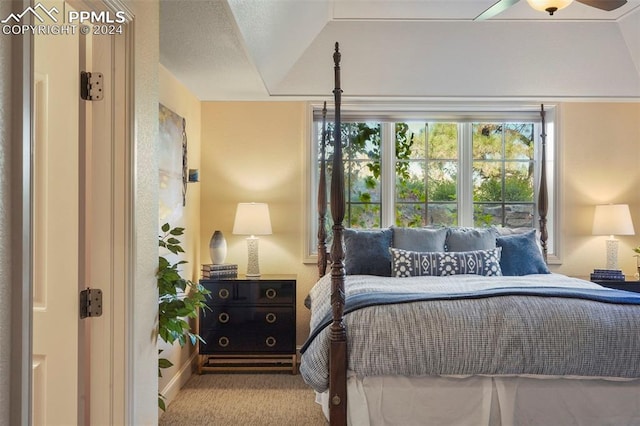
(161, 402)
(178, 299)
(164, 363)
(177, 231)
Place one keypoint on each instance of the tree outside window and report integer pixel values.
(428, 164)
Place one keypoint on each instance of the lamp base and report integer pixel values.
(612, 253)
(253, 266)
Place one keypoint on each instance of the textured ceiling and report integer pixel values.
(268, 49)
(201, 46)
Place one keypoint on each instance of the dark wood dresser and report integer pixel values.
(628, 285)
(251, 324)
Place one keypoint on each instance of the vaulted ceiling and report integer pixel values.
(409, 49)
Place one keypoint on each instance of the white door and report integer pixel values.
(56, 215)
(80, 227)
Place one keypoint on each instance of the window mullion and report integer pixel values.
(503, 175)
(388, 173)
(465, 175)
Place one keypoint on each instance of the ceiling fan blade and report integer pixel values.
(498, 7)
(607, 5)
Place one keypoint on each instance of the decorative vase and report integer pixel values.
(217, 248)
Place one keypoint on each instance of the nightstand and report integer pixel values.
(251, 324)
(628, 285)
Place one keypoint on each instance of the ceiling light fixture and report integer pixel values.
(549, 5)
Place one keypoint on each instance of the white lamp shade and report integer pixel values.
(612, 219)
(543, 5)
(252, 219)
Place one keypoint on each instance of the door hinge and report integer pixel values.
(90, 303)
(91, 86)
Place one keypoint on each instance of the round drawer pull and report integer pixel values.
(271, 293)
(223, 293)
(270, 341)
(223, 341)
(223, 318)
(270, 317)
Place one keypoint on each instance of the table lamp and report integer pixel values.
(612, 219)
(252, 219)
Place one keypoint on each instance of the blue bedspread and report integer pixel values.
(363, 300)
(548, 325)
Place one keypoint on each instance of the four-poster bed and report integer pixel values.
(470, 349)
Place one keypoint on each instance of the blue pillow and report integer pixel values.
(469, 239)
(406, 263)
(367, 251)
(419, 239)
(521, 254)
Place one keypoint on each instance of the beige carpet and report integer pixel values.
(244, 399)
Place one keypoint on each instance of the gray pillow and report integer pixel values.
(469, 239)
(406, 263)
(367, 251)
(521, 254)
(419, 239)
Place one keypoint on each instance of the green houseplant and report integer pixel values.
(178, 299)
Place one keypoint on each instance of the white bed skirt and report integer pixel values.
(494, 401)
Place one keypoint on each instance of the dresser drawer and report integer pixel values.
(249, 330)
(251, 324)
(250, 292)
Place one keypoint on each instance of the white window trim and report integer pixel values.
(445, 111)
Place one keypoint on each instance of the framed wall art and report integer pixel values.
(172, 166)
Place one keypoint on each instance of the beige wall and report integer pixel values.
(254, 151)
(600, 152)
(180, 100)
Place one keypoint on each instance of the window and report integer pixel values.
(432, 168)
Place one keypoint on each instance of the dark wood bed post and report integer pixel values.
(322, 200)
(543, 195)
(338, 349)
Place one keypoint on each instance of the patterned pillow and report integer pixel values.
(406, 263)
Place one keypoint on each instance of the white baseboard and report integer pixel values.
(178, 381)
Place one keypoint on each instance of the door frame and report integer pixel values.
(21, 224)
(22, 217)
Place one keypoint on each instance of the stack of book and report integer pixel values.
(607, 275)
(222, 270)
